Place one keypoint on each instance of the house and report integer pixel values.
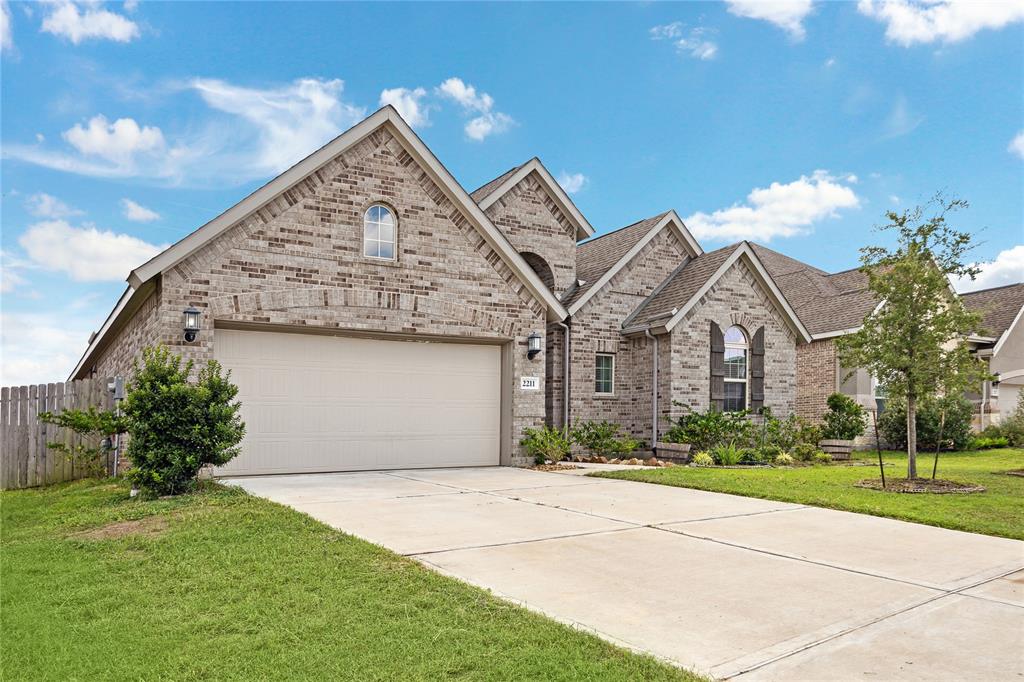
(834, 304)
(376, 315)
(1001, 343)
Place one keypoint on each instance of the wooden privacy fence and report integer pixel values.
(26, 460)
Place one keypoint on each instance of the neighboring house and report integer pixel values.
(376, 315)
(832, 305)
(1001, 342)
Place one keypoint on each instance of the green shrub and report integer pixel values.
(546, 443)
(785, 433)
(176, 427)
(706, 430)
(956, 432)
(768, 453)
(984, 443)
(1012, 425)
(783, 460)
(751, 456)
(804, 452)
(822, 458)
(702, 459)
(95, 426)
(604, 438)
(844, 419)
(727, 455)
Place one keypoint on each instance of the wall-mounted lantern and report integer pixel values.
(191, 324)
(533, 342)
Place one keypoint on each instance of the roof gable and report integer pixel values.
(297, 174)
(998, 307)
(670, 302)
(486, 195)
(600, 259)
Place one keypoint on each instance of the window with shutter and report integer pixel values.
(757, 370)
(717, 368)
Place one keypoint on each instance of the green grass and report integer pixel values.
(239, 588)
(998, 511)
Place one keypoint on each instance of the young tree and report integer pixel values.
(915, 337)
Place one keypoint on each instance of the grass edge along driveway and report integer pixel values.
(997, 511)
(222, 585)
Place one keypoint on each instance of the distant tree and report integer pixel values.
(915, 339)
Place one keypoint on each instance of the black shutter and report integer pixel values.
(717, 368)
(757, 371)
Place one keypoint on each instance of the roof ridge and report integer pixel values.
(1001, 286)
(591, 240)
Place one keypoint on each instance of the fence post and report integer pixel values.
(6, 452)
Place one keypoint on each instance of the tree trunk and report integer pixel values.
(911, 436)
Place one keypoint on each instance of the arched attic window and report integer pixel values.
(541, 267)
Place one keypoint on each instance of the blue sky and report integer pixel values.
(125, 126)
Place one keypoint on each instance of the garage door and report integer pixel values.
(329, 403)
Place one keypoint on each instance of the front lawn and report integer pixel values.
(221, 585)
(998, 511)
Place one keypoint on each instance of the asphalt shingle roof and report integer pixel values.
(998, 307)
(597, 255)
(481, 193)
(681, 286)
(823, 302)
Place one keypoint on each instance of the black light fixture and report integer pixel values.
(191, 324)
(533, 344)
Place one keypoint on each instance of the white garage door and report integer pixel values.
(328, 403)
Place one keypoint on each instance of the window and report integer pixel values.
(880, 395)
(379, 233)
(736, 353)
(604, 373)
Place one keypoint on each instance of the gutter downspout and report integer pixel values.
(565, 374)
(654, 391)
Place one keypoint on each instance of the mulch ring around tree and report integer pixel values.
(920, 485)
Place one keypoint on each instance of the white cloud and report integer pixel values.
(901, 120)
(694, 42)
(117, 142)
(85, 21)
(488, 122)
(42, 347)
(667, 31)
(288, 122)
(830, 62)
(572, 182)
(10, 273)
(409, 104)
(137, 212)
(131, 5)
(1007, 268)
(894, 199)
(852, 179)
(46, 206)
(786, 14)
(908, 22)
(85, 253)
(253, 133)
(780, 210)
(6, 32)
(1017, 145)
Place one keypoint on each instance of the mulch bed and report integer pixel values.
(554, 467)
(920, 485)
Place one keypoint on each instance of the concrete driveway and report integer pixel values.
(728, 586)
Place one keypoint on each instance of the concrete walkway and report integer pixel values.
(728, 586)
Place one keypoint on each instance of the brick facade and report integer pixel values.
(597, 328)
(533, 224)
(735, 299)
(297, 263)
(816, 366)
(303, 266)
